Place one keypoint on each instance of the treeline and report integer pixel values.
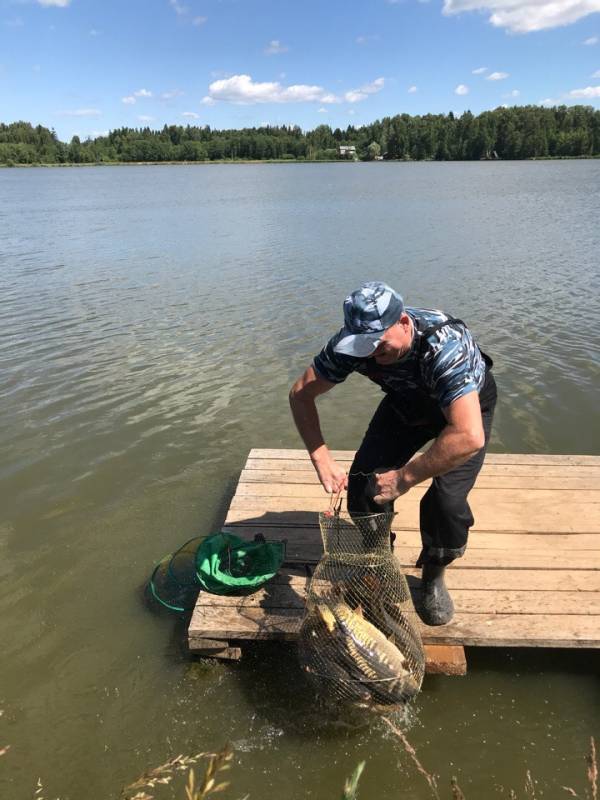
(507, 133)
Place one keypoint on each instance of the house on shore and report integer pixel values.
(347, 151)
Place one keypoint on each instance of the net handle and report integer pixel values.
(335, 503)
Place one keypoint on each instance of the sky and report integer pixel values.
(84, 67)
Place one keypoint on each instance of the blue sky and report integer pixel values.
(85, 66)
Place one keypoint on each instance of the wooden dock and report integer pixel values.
(530, 576)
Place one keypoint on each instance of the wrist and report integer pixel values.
(320, 454)
(405, 478)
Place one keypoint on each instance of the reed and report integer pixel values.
(164, 774)
(220, 761)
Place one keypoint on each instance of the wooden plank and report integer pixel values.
(278, 466)
(216, 648)
(467, 601)
(440, 659)
(282, 479)
(299, 483)
(518, 630)
(490, 487)
(559, 580)
(497, 630)
(478, 539)
(443, 659)
(271, 493)
(304, 545)
(492, 458)
(501, 509)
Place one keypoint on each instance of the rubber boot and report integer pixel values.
(437, 607)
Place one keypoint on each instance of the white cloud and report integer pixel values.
(479, 70)
(178, 7)
(129, 100)
(412, 89)
(94, 32)
(145, 118)
(496, 76)
(595, 74)
(356, 95)
(588, 92)
(80, 112)
(591, 41)
(198, 21)
(461, 89)
(242, 90)
(275, 47)
(365, 39)
(57, 3)
(525, 16)
(547, 101)
(323, 111)
(514, 93)
(191, 115)
(142, 93)
(171, 94)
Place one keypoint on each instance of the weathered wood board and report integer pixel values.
(530, 576)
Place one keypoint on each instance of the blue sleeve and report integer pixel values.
(332, 366)
(454, 368)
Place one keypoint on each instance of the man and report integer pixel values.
(438, 385)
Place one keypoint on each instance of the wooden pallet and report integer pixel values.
(530, 576)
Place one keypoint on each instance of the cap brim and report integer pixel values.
(359, 345)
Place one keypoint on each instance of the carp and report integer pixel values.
(343, 639)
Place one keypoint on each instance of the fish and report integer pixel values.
(390, 620)
(319, 659)
(344, 639)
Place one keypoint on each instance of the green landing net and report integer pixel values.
(219, 564)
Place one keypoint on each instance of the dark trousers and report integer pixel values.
(445, 515)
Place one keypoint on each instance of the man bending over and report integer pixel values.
(437, 385)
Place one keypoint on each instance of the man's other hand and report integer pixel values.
(387, 486)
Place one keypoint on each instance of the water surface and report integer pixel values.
(151, 322)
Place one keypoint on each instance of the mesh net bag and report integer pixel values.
(359, 638)
(220, 563)
(173, 582)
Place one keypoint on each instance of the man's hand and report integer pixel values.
(333, 478)
(390, 485)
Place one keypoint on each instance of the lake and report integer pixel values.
(152, 320)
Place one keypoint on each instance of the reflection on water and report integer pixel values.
(151, 322)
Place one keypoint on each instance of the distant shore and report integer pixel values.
(294, 161)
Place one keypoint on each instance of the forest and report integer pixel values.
(520, 132)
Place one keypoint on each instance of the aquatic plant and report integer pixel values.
(351, 785)
(164, 774)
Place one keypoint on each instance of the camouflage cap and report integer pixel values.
(368, 313)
